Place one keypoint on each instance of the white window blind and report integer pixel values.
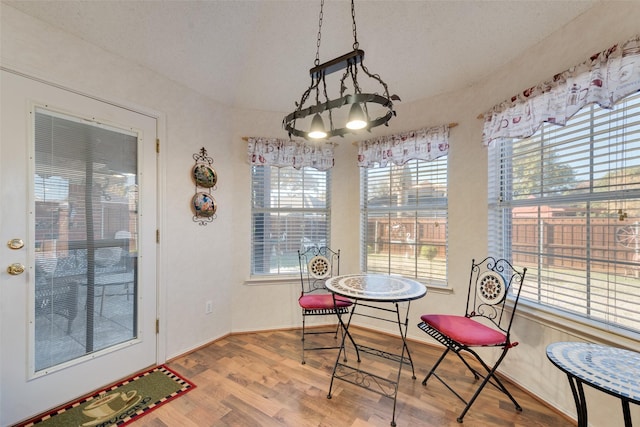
(565, 202)
(404, 219)
(291, 210)
(86, 234)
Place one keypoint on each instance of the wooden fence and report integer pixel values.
(567, 241)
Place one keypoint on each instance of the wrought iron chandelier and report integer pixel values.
(361, 106)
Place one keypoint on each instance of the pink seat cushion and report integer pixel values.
(464, 330)
(321, 301)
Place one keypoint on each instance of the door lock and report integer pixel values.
(15, 269)
(15, 244)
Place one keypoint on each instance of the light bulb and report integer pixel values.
(317, 128)
(357, 120)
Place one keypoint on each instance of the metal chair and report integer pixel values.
(317, 264)
(492, 299)
(114, 267)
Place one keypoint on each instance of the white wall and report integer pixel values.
(212, 262)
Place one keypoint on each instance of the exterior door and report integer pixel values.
(77, 226)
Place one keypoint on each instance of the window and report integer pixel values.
(86, 222)
(290, 210)
(565, 203)
(404, 220)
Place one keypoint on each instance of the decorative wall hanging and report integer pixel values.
(204, 206)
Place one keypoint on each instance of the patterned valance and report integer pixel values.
(423, 144)
(603, 79)
(284, 152)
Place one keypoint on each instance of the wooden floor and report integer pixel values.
(257, 380)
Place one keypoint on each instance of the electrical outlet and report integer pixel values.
(208, 307)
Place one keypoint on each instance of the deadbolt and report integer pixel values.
(15, 269)
(15, 244)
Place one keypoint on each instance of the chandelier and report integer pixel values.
(361, 106)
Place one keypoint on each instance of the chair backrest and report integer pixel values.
(109, 256)
(490, 283)
(317, 264)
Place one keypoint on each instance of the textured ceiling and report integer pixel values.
(257, 54)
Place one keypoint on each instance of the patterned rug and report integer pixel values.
(118, 404)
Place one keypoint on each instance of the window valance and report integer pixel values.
(422, 144)
(284, 152)
(603, 79)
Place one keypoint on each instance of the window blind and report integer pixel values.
(291, 210)
(86, 233)
(565, 202)
(404, 219)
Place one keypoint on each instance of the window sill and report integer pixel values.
(272, 280)
(582, 329)
(288, 279)
(439, 289)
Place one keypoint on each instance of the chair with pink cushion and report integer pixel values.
(317, 264)
(492, 299)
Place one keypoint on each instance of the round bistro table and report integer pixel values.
(612, 370)
(385, 290)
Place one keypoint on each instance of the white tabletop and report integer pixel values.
(613, 370)
(376, 287)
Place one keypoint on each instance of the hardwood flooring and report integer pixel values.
(256, 379)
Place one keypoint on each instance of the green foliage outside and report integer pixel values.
(429, 252)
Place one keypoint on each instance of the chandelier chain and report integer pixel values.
(317, 61)
(326, 96)
(353, 20)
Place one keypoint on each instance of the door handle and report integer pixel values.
(15, 269)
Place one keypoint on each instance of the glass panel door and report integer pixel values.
(86, 201)
(78, 299)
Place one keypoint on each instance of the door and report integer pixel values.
(78, 251)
